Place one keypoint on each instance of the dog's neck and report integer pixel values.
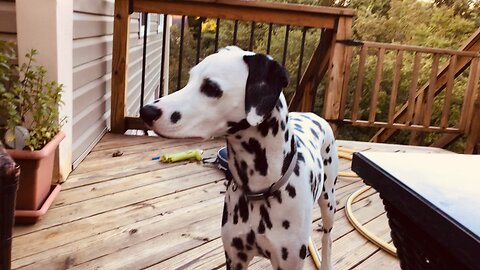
(258, 156)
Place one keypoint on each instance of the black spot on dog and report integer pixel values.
(303, 252)
(314, 133)
(225, 214)
(287, 136)
(286, 224)
(282, 125)
(291, 190)
(237, 243)
(254, 147)
(234, 127)
(326, 196)
(266, 125)
(267, 254)
(301, 141)
(278, 195)
(239, 266)
(211, 89)
(288, 159)
(235, 214)
(242, 256)
(243, 207)
(156, 101)
(242, 173)
(265, 216)
(261, 227)
(301, 157)
(175, 117)
(251, 237)
(296, 170)
(238, 137)
(319, 126)
(284, 253)
(279, 105)
(328, 149)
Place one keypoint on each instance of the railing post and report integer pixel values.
(119, 65)
(337, 72)
(472, 145)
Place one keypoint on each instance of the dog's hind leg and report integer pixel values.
(327, 197)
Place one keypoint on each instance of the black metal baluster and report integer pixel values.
(235, 30)
(252, 37)
(217, 32)
(144, 58)
(269, 39)
(162, 67)
(180, 52)
(199, 40)
(302, 48)
(285, 45)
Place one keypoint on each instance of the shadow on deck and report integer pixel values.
(129, 212)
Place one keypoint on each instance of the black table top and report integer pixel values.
(440, 192)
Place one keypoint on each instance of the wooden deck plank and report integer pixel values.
(132, 213)
(88, 235)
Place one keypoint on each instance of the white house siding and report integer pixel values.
(8, 25)
(92, 56)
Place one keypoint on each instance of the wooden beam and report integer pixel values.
(414, 127)
(135, 123)
(359, 84)
(376, 87)
(277, 13)
(316, 69)
(119, 65)
(395, 85)
(473, 140)
(336, 74)
(445, 140)
(448, 91)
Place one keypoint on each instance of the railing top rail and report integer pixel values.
(414, 48)
(280, 6)
(278, 13)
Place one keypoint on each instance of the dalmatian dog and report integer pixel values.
(280, 163)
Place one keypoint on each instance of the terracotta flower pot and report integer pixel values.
(35, 192)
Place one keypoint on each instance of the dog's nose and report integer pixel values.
(150, 113)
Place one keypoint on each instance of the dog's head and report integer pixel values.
(231, 86)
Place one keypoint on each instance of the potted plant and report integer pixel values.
(29, 123)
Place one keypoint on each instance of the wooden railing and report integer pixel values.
(401, 99)
(327, 59)
(411, 107)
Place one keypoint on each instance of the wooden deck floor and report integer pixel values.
(129, 212)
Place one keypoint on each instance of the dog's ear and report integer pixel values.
(266, 78)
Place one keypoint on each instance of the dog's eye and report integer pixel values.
(211, 89)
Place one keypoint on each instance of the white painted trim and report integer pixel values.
(47, 26)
